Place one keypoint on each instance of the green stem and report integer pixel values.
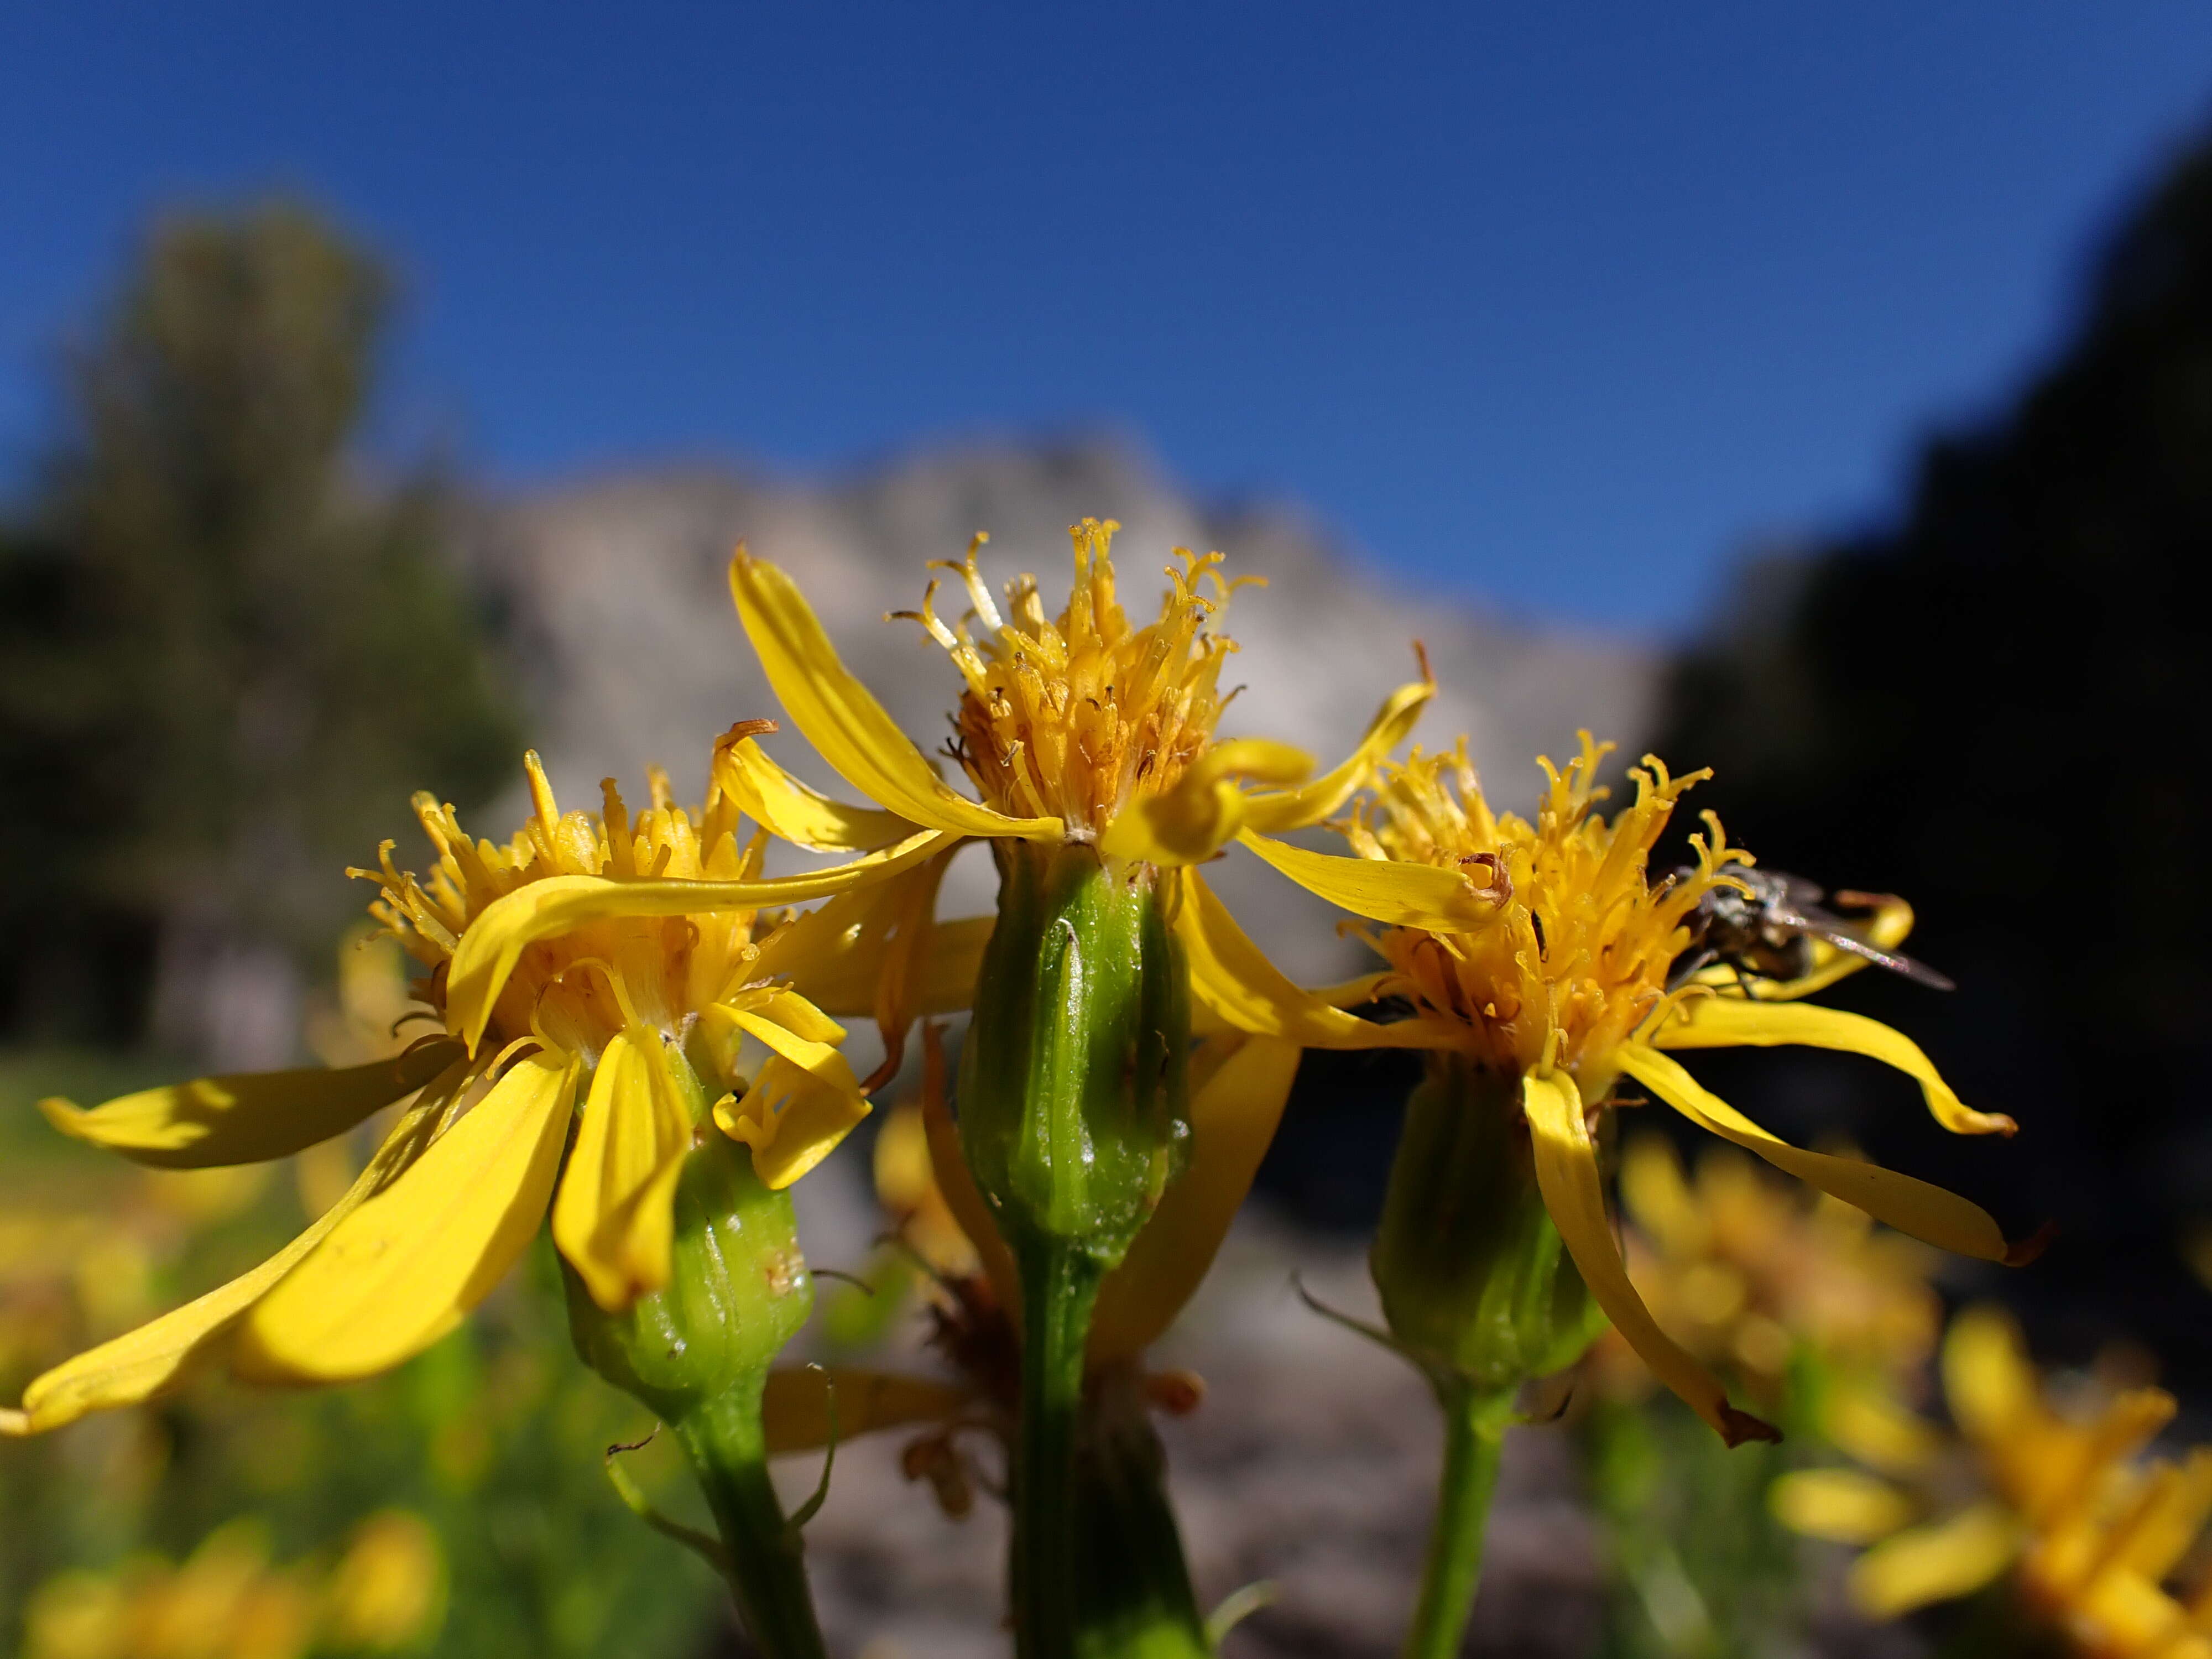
(728, 1447)
(1474, 1434)
(1132, 1584)
(1060, 1284)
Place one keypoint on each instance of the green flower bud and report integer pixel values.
(737, 1292)
(1472, 1273)
(1073, 1101)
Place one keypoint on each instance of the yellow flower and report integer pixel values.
(1083, 729)
(591, 946)
(2092, 1531)
(226, 1600)
(388, 1590)
(1567, 990)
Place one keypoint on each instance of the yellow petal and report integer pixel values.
(793, 811)
(1988, 1382)
(1296, 808)
(1195, 819)
(402, 1270)
(1232, 980)
(247, 1119)
(495, 940)
(841, 718)
(1233, 1115)
(1841, 1505)
(613, 1218)
(1864, 1422)
(838, 955)
(143, 1364)
(1926, 1211)
(1424, 895)
(805, 1101)
(798, 1408)
(1567, 1175)
(1723, 1022)
(1936, 1563)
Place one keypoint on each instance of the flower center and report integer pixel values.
(1076, 717)
(1580, 956)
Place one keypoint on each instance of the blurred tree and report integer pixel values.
(230, 656)
(1995, 708)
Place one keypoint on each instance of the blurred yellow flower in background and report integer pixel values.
(1569, 990)
(2058, 1492)
(230, 1601)
(1747, 1272)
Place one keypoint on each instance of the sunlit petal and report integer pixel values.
(400, 1272)
(1296, 808)
(1194, 820)
(1725, 1022)
(149, 1361)
(613, 1218)
(1926, 1211)
(841, 718)
(495, 940)
(1567, 1175)
(803, 1101)
(250, 1118)
(1238, 989)
(793, 811)
(1424, 895)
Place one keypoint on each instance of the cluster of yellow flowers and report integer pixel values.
(610, 989)
(385, 1592)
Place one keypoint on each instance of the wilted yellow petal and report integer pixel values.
(1424, 895)
(402, 1269)
(963, 1197)
(1567, 1175)
(613, 1218)
(836, 955)
(1233, 982)
(797, 1406)
(841, 718)
(1296, 808)
(1936, 1563)
(248, 1118)
(803, 1101)
(1726, 1021)
(1841, 1505)
(495, 940)
(793, 811)
(1233, 1115)
(1194, 820)
(147, 1362)
(1925, 1211)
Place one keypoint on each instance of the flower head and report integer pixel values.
(2058, 1493)
(1568, 989)
(615, 973)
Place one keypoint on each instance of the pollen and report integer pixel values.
(577, 990)
(1579, 959)
(1079, 716)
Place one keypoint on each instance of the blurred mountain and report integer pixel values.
(617, 595)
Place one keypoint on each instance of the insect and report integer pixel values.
(1769, 932)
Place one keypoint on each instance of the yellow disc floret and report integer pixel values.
(1077, 717)
(1579, 957)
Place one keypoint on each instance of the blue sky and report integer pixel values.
(1557, 306)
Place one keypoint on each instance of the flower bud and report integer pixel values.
(738, 1291)
(1472, 1273)
(1073, 1100)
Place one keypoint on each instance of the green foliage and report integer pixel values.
(229, 656)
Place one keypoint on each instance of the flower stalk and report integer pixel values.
(697, 1352)
(1475, 1421)
(1074, 1117)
